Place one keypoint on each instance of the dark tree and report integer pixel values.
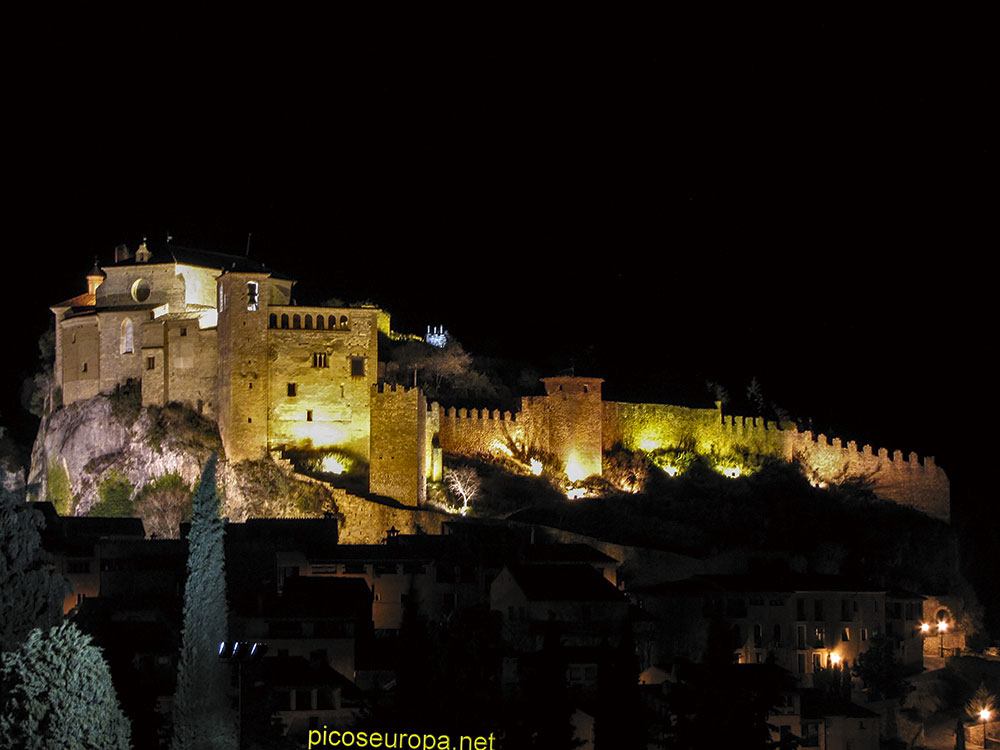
(58, 694)
(203, 716)
(880, 671)
(31, 593)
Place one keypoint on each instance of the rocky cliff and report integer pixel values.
(110, 456)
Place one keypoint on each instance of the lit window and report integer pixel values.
(251, 295)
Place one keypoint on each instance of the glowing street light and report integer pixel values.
(985, 715)
(942, 629)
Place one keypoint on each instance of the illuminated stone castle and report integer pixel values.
(221, 334)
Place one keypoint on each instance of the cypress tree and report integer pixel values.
(58, 694)
(203, 715)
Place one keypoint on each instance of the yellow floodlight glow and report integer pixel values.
(576, 494)
(574, 471)
(649, 445)
(536, 466)
(835, 658)
(333, 465)
(499, 447)
(671, 470)
(731, 471)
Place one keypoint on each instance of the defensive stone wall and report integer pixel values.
(368, 522)
(908, 480)
(473, 432)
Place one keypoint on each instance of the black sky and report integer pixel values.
(805, 201)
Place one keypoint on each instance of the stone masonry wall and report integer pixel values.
(398, 467)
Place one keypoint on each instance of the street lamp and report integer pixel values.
(942, 629)
(241, 652)
(985, 715)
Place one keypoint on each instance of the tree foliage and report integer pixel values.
(58, 694)
(202, 714)
(31, 593)
(982, 700)
(880, 670)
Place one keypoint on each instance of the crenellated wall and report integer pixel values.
(565, 423)
(472, 432)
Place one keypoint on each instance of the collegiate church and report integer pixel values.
(222, 334)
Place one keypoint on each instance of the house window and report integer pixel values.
(845, 635)
(292, 390)
(820, 638)
(309, 415)
(184, 331)
(864, 634)
(357, 367)
(817, 662)
(150, 363)
(83, 367)
(818, 609)
(251, 295)
(320, 359)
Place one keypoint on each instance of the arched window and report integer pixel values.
(284, 320)
(272, 321)
(319, 322)
(343, 321)
(309, 322)
(128, 337)
(296, 321)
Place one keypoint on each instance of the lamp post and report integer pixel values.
(942, 629)
(985, 715)
(240, 652)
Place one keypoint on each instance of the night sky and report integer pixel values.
(807, 202)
